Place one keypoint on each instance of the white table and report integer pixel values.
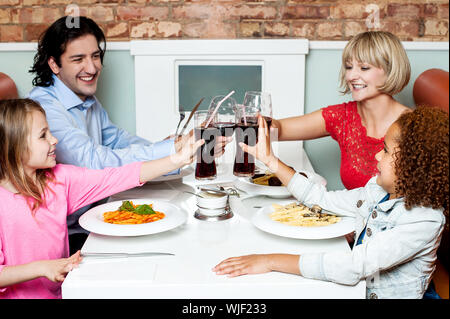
(198, 246)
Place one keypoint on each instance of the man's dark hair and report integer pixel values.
(53, 43)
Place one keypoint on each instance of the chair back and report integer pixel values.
(8, 89)
(431, 88)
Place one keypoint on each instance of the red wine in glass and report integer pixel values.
(244, 163)
(206, 165)
(226, 128)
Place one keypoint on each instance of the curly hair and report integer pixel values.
(53, 43)
(421, 162)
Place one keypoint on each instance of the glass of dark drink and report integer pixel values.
(205, 168)
(225, 117)
(224, 122)
(262, 101)
(247, 133)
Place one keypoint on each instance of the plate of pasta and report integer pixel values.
(268, 184)
(134, 217)
(302, 222)
(248, 185)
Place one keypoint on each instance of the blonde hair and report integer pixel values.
(15, 122)
(383, 50)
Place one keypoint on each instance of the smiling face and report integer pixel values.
(41, 145)
(80, 66)
(363, 79)
(386, 176)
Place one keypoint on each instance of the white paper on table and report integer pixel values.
(116, 269)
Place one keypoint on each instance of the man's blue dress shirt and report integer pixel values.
(87, 137)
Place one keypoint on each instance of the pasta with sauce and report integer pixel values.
(126, 217)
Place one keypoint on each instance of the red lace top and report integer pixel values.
(358, 163)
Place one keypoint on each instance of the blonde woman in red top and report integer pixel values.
(374, 68)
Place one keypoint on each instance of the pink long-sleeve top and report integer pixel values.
(25, 238)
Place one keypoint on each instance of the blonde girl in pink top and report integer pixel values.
(36, 195)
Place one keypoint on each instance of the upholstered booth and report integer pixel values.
(431, 88)
(8, 89)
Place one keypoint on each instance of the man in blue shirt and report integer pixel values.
(67, 67)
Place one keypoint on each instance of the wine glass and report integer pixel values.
(205, 168)
(224, 119)
(262, 101)
(225, 115)
(247, 133)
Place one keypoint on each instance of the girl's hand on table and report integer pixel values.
(56, 270)
(258, 264)
(244, 265)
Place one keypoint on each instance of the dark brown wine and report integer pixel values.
(226, 128)
(244, 163)
(206, 165)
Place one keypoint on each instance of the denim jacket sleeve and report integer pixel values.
(310, 193)
(410, 234)
(389, 249)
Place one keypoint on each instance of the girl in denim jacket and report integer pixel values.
(399, 214)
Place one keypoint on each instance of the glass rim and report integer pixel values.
(201, 117)
(226, 104)
(222, 96)
(201, 111)
(257, 92)
(241, 106)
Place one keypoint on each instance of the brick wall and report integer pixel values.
(411, 20)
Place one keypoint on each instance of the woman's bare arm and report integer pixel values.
(304, 127)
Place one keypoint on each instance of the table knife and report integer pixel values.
(191, 115)
(125, 255)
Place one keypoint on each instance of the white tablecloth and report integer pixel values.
(198, 246)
